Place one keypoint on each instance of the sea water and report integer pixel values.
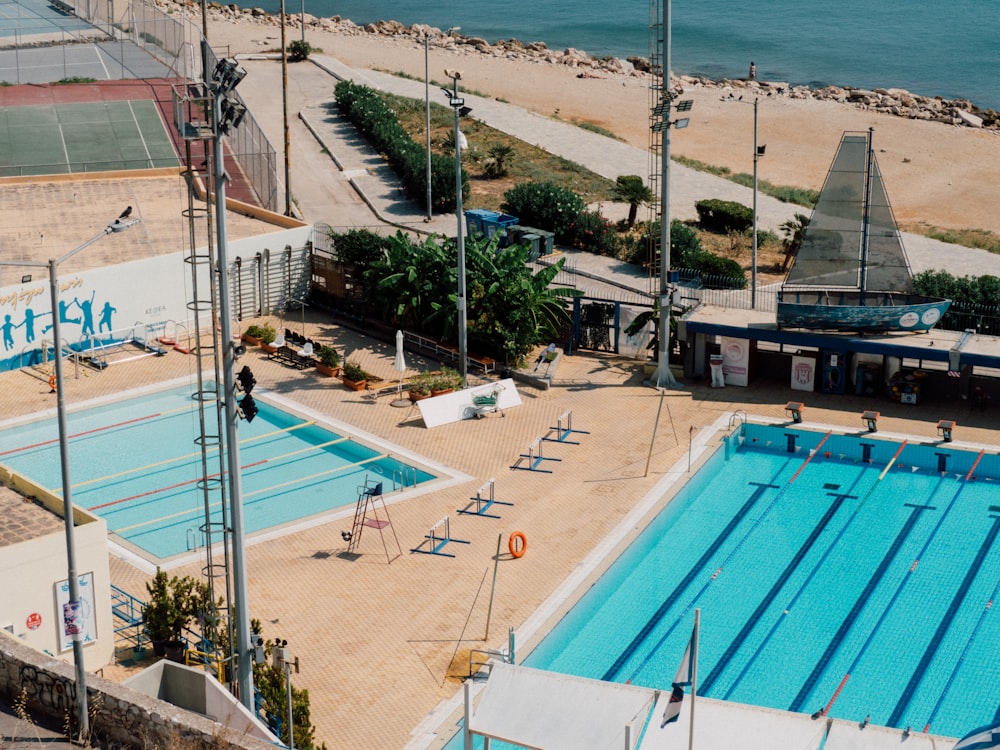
(931, 47)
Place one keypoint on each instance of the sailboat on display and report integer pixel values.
(851, 272)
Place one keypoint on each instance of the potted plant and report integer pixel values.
(354, 376)
(328, 361)
(171, 606)
(420, 386)
(446, 381)
(259, 334)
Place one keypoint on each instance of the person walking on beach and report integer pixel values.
(753, 71)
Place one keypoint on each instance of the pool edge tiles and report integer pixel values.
(441, 723)
(887, 454)
(373, 458)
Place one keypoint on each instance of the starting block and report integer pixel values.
(944, 428)
(870, 418)
(439, 536)
(563, 429)
(483, 503)
(794, 410)
(534, 458)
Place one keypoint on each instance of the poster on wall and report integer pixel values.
(736, 360)
(76, 620)
(803, 373)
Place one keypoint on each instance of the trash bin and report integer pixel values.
(718, 377)
(487, 223)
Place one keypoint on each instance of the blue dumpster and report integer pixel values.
(479, 221)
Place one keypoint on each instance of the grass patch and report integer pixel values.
(784, 193)
(527, 163)
(597, 129)
(982, 239)
(76, 79)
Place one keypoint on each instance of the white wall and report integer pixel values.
(31, 572)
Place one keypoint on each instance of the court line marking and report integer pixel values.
(135, 121)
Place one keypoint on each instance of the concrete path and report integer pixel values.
(338, 179)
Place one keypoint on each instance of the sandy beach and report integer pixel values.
(936, 174)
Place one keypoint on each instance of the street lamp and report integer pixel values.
(427, 112)
(280, 658)
(120, 224)
(664, 377)
(758, 151)
(458, 104)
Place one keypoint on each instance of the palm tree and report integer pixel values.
(496, 163)
(794, 231)
(631, 189)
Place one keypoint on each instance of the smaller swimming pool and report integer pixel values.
(135, 463)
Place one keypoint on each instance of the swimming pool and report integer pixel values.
(819, 561)
(135, 464)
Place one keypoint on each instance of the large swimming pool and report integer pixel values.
(135, 463)
(818, 561)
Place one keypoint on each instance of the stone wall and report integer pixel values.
(117, 714)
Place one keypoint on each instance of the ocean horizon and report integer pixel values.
(927, 47)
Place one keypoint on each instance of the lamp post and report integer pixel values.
(118, 225)
(664, 377)
(280, 659)
(458, 104)
(302, 19)
(427, 112)
(226, 114)
(758, 151)
(284, 114)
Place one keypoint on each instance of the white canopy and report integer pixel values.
(537, 709)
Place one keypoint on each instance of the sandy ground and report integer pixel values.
(936, 174)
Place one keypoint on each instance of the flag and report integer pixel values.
(984, 738)
(681, 680)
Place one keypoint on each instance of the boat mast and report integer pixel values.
(866, 216)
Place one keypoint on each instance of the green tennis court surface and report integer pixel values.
(83, 137)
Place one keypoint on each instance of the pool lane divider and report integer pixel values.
(186, 456)
(946, 622)
(765, 604)
(688, 579)
(961, 659)
(970, 476)
(215, 475)
(120, 532)
(729, 556)
(859, 604)
(94, 430)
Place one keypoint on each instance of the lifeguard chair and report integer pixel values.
(366, 514)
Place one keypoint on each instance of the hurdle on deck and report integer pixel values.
(438, 541)
(563, 429)
(483, 503)
(535, 458)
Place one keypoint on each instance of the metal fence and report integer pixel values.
(176, 42)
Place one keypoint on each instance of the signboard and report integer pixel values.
(78, 620)
(33, 621)
(736, 361)
(803, 373)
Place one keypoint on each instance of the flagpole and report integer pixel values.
(694, 675)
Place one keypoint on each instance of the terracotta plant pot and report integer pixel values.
(251, 340)
(355, 385)
(328, 371)
(417, 396)
(442, 392)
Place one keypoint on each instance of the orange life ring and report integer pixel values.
(516, 551)
(52, 384)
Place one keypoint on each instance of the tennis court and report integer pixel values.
(61, 138)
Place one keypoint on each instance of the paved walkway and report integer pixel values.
(327, 156)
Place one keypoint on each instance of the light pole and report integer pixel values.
(118, 225)
(664, 377)
(758, 151)
(284, 114)
(427, 112)
(280, 659)
(458, 104)
(226, 114)
(302, 19)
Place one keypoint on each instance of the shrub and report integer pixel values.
(727, 272)
(373, 118)
(265, 333)
(595, 234)
(724, 216)
(545, 206)
(354, 372)
(299, 50)
(328, 356)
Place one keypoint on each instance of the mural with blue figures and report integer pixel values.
(99, 311)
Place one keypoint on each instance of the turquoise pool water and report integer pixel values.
(135, 464)
(813, 559)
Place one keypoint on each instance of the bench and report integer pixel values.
(290, 356)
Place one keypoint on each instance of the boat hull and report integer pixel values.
(843, 311)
